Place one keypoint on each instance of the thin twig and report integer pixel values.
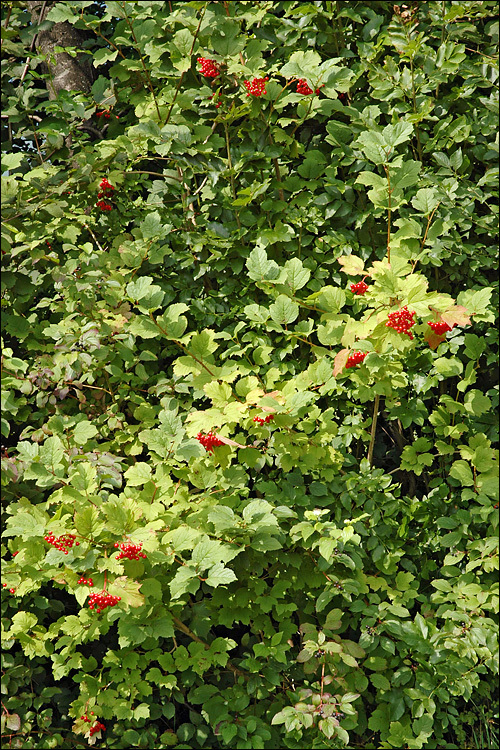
(184, 628)
(389, 191)
(148, 78)
(182, 74)
(184, 349)
(374, 429)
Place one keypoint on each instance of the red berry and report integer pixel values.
(359, 288)
(440, 327)
(209, 68)
(209, 441)
(355, 359)
(401, 321)
(256, 87)
(130, 551)
(264, 420)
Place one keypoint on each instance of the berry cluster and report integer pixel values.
(12, 591)
(359, 288)
(209, 441)
(62, 543)
(441, 327)
(130, 551)
(106, 114)
(209, 68)
(219, 103)
(86, 581)
(105, 192)
(103, 600)
(303, 88)
(402, 321)
(96, 727)
(264, 420)
(256, 87)
(104, 206)
(355, 359)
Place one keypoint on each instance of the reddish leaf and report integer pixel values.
(456, 315)
(432, 338)
(340, 361)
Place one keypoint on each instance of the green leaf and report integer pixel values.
(218, 575)
(206, 553)
(147, 295)
(87, 522)
(185, 581)
(84, 431)
(128, 590)
(144, 327)
(259, 267)
(284, 310)
(152, 227)
(425, 201)
(380, 682)
(172, 323)
(52, 452)
(352, 265)
(225, 38)
(138, 474)
(297, 275)
(374, 147)
(375, 663)
(461, 470)
(302, 65)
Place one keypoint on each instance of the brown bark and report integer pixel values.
(66, 73)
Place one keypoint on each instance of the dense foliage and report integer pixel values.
(250, 486)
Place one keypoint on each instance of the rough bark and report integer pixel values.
(66, 73)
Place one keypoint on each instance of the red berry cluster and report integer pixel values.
(106, 192)
(96, 727)
(209, 68)
(402, 321)
(62, 543)
(441, 327)
(256, 87)
(86, 581)
(219, 103)
(303, 88)
(209, 441)
(103, 600)
(48, 244)
(104, 206)
(264, 420)
(359, 288)
(12, 591)
(130, 551)
(355, 359)
(106, 114)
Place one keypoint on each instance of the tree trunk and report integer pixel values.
(66, 73)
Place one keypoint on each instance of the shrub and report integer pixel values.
(249, 473)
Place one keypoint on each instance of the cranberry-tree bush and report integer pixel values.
(249, 468)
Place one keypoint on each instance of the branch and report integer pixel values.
(374, 429)
(180, 626)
